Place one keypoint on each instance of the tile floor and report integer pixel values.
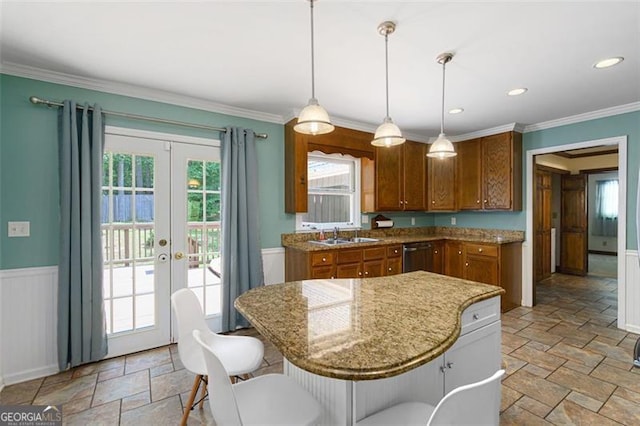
(566, 363)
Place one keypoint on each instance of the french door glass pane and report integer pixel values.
(128, 241)
(203, 233)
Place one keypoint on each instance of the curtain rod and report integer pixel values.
(36, 100)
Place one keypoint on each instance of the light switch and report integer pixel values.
(365, 218)
(19, 229)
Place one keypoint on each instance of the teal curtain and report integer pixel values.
(241, 254)
(81, 321)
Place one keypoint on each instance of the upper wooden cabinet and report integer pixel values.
(296, 147)
(490, 172)
(400, 177)
(441, 188)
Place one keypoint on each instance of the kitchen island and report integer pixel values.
(361, 345)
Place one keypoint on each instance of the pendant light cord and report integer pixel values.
(386, 68)
(444, 64)
(313, 76)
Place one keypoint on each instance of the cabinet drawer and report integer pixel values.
(373, 253)
(324, 258)
(480, 314)
(481, 249)
(348, 256)
(394, 251)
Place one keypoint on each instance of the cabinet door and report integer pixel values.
(394, 266)
(349, 270)
(295, 172)
(475, 356)
(437, 263)
(469, 175)
(497, 162)
(483, 269)
(415, 176)
(441, 184)
(322, 272)
(373, 268)
(389, 169)
(453, 259)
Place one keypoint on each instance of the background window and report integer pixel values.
(606, 214)
(333, 192)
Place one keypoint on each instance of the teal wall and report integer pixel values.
(29, 158)
(29, 162)
(624, 124)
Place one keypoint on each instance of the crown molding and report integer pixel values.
(601, 113)
(134, 91)
(487, 132)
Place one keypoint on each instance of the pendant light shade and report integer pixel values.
(313, 119)
(387, 134)
(442, 147)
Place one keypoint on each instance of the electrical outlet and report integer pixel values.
(413, 220)
(18, 229)
(365, 218)
(453, 220)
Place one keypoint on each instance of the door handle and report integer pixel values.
(178, 255)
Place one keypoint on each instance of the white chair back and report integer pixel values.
(474, 404)
(222, 402)
(186, 307)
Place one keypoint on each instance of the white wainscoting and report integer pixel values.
(28, 327)
(632, 293)
(28, 300)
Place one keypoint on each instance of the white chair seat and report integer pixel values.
(473, 404)
(407, 413)
(275, 399)
(239, 354)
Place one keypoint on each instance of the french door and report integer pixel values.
(160, 233)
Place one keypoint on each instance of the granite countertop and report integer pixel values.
(405, 235)
(363, 329)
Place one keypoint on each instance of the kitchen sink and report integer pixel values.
(339, 241)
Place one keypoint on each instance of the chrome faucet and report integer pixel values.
(335, 233)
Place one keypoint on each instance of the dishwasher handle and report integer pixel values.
(409, 249)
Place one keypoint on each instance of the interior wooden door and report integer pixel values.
(542, 223)
(573, 227)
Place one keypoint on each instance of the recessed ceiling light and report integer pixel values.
(609, 62)
(516, 92)
(456, 110)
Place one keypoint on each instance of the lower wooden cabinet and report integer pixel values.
(453, 259)
(343, 263)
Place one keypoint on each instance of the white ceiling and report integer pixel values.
(256, 55)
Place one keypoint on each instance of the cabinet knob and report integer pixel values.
(477, 201)
(466, 264)
(433, 202)
(479, 250)
(475, 316)
(449, 364)
(389, 269)
(485, 201)
(396, 251)
(366, 273)
(436, 251)
(324, 259)
(459, 251)
(401, 202)
(442, 368)
(406, 202)
(360, 273)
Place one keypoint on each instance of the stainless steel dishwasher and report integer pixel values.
(417, 256)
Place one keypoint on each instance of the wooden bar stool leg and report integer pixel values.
(204, 392)
(192, 397)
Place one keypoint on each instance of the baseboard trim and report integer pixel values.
(27, 375)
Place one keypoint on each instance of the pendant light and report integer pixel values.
(313, 119)
(442, 147)
(387, 134)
